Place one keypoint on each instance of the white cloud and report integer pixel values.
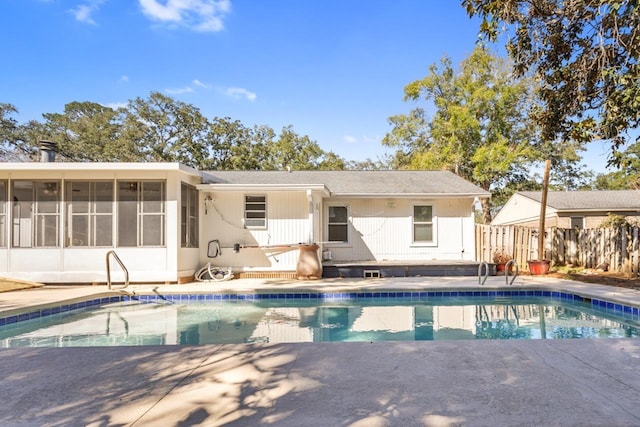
(239, 92)
(197, 82)
(199, 15)
(124, 79)
(83, 12)
(179, 91)
(350, 139)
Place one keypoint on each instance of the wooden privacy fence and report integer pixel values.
(617, 248)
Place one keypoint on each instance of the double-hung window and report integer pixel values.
(338, 224)
(255, 211)
(36, 214)
(89, 213)
(423, 224)
(141, 213)
(189, 216)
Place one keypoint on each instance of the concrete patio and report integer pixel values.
(439, 383)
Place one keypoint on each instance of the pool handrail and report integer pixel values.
(507, 269)
(482, 279)
(119, 261)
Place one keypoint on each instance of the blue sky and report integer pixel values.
(333, 69)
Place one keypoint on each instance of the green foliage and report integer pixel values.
(584, 54)
(15, 139)
(480, 128)
(161, 129)
(8, 129)
(614, 221)
(86, 131)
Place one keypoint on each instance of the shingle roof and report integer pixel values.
(589, 200)
(358, 182)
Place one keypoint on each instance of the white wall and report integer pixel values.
(287, 223)
(519, 210)
(381, 229)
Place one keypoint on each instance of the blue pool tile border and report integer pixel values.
(629, 312)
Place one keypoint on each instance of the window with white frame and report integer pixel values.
(338, 224)
(36, 214)
(255, 211)
(189, 216)
(89, 213)
(141, 213)
(423, 224)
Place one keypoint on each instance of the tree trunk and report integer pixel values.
(486, 211)
(543, 208)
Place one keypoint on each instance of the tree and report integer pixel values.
(86, 132)
(480, 128)
(16, 143)
(585, 55)
(232, 146)
(293, 151)
(628, 177)
(8, 130)
(161, 129)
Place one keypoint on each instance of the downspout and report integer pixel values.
(310, 225)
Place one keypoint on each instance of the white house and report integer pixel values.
(58, 221)
(569, 209)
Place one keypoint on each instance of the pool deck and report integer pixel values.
(434, 383)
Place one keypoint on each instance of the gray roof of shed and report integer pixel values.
(605, 200)
(353, 183)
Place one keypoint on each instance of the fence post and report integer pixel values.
(635, 262)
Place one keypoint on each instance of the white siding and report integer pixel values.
(287, 224)
(382, 229)
(520, 210)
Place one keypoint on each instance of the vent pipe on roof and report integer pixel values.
(47, 151)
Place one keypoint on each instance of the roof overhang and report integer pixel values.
(597, 210)
(264, 187)
(98, 166)
(412, 195)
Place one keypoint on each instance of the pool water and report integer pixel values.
(132, 323)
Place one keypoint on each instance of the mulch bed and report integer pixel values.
(602, 278)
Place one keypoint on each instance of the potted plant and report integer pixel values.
(500, 259)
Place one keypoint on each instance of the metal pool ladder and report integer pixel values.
(483, 278)
(507, 269)
(119, 261)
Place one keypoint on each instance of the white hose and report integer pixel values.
(213, 274)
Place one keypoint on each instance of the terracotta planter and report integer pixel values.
(539, 267)
(502, 266)
(309, 266)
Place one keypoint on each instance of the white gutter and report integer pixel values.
(99, 166)
(412, 195)
(265, 187)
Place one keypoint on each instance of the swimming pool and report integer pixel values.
(193, 319)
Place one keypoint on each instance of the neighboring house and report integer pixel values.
(58, 221)
(569, 209)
